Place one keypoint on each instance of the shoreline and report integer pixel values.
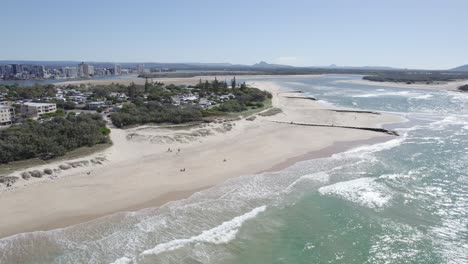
(140, 173)
(448, 86)
(336, 148)
(183, 80)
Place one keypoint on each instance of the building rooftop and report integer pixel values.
(38, 104)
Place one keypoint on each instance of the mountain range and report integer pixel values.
(198, 65)
(461, 68)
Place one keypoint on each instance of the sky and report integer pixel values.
(417, 34)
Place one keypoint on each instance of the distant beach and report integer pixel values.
(450, 86)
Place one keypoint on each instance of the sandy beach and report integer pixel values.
(179, 81)
(450, 86)
(148, 166)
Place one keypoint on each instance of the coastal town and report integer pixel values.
(232, 132)
(64, 70)
(43, 102)
(70, 116)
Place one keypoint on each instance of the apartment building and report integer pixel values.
(34, 110)
(7, 113)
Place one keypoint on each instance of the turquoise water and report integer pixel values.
(401, 201)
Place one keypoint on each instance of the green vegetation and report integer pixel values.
(52, 138)
(252, 110)
(416, 77)
(245, 98)
(154, 103)
(73, 154)
(58, 113)
(16, 92)
(155, 112)
(271, 112)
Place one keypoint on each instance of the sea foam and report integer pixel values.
(123, 260)
(221, 234)
(363, 191)
(369, 149)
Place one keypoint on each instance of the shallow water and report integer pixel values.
(401, 201)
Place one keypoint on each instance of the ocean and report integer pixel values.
(400, 201)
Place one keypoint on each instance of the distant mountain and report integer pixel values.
(334, 66)
(262, 65)
(265, 65)
(461, 68)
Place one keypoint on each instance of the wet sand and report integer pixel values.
(139, 172)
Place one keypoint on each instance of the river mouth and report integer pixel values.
(402, 199)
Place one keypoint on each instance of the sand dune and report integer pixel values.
(140, 172)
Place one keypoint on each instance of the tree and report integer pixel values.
(132, 89)
(215, 85)
(233, 82)
(243, 86)
(52, 138)
(147, 86)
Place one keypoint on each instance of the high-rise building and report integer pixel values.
(88, 70)
(70, 72)
(141, 68)
(117, 69)
(17, 68)
(38, 71)
(85, 70)
(80, 69)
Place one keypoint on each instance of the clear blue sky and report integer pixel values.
(401, 33)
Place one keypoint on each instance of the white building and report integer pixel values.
(96, 105)
(117, 69)
(7, 113)
(89, 70)
(34, 110)
(85, 70)
(140, 68)
(70, 72)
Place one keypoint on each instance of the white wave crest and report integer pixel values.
(321, 177)
(410, 95)
(221, 234)
(364, 191)
(449, 120)
(424, 96)
(368, 149)
(122, 260)
(404, 93)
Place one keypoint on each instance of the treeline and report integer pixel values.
(52, 138)
(245, 98)
(16, 92)
(155, 112)
(416, 77)
(158, 107)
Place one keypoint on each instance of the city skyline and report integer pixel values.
(401, 34)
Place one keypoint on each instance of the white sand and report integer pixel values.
(179, 81)
(141, 173)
